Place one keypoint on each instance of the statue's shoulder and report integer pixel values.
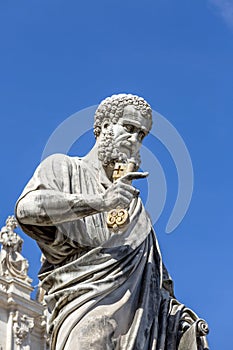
(57, 166)
(58, 160)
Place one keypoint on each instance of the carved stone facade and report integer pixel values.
(22, 327)
(22, 320)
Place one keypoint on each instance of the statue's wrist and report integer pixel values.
(96, 202)
(100, 203)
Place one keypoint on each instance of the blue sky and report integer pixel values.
(58, 57)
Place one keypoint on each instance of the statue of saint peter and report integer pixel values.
(106, 285)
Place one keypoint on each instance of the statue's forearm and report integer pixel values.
(49, 207)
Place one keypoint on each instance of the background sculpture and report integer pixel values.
(12, 263)
(22, 319)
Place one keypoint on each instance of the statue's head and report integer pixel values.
(121, 123)
(11, 222)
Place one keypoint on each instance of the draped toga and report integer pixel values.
(105, 289)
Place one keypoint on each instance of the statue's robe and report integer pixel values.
(106, 289)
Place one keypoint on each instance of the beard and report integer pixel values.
(109, 151)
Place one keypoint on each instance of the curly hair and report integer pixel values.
(111, 109)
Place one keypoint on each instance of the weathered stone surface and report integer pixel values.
(106, 285)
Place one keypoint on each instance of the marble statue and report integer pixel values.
(12, 263)
(105, 283)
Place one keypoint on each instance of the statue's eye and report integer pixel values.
(141, 135)
(129, 128)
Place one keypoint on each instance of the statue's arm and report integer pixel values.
(49, 207)
(44, 201)
(46, 207)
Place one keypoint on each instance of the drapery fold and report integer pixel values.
(105, 289)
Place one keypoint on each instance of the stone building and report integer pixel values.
(22, 319)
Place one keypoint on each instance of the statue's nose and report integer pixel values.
(134, 138)
(135, 144)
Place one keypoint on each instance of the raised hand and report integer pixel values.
(121, 193)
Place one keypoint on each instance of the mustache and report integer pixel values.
(125, 143)
(111, 150)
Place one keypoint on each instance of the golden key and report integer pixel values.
(119, 216)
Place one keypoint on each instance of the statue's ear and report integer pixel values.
(105, 125)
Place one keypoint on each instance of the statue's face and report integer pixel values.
(125, 137)
(130, 131)
(11, 222)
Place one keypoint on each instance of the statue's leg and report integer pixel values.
(93, 333)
